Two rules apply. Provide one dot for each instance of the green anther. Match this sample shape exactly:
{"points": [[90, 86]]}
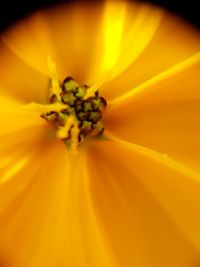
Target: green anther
{"points": [[78, 105], [51, 117], [83, 115], [62, 116], [60, 119], [86, 127], [69, 85], [96, 103], [85, 112], [72, 111], [87, 106], [81, 92], [68, 98], [94, 116]]}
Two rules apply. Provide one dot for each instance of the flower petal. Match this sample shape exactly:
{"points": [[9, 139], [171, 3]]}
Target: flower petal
{"points": [[127, 30], [46, 216], [14, 117], [173, 42], [21, 132], [87, 41], [18, 201], [163, 113], [148, 206], [19, 80]]}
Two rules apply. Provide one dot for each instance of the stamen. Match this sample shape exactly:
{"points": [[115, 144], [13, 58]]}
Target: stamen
{"points": [[94, 88], [64, 132], [45, 108], [73, 115], [74, 137], [54, 88]]}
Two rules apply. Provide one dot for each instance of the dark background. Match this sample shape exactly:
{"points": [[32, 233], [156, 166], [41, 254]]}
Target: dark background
{"points": [[10, 11]]}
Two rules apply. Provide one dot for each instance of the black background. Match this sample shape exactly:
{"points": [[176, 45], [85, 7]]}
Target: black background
{"points": [[12, 11]]}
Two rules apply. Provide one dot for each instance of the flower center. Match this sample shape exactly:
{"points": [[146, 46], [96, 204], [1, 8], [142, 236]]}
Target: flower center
{"points": [[75, 111], [80, 117]]}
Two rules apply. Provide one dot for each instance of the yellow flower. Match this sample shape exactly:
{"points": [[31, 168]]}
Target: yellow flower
{"points": [[130, 198]]}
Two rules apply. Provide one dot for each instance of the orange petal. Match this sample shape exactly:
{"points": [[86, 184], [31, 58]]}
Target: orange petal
{"points": [[46, 214], [13, 117], [18, 210], [147, 205], [21, 133], [163, 113], [19, 80], [173, 42], [88, 41], [127, 30]]}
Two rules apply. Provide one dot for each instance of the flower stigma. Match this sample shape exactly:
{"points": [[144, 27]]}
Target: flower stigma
{"points": [[75, 115]]}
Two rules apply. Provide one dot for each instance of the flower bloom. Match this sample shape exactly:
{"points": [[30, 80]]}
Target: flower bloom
{"points": [[129, 197]]}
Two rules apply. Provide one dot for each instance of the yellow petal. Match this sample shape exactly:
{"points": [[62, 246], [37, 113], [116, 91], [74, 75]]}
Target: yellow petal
{"points": [[19, 201], [21, 132], [30, 40], [147, 204], [17, 155], [46, 214], [19, 80], [127, 30], [13, 117], [163, 113], [88, 41], [173, 42]]}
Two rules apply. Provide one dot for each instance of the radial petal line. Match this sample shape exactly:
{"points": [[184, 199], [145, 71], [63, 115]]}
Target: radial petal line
{"points": [[161, 158], [142, 89]]}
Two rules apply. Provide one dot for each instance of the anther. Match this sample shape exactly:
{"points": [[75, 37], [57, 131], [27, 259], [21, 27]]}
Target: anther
{"points": [[74, 115]]}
